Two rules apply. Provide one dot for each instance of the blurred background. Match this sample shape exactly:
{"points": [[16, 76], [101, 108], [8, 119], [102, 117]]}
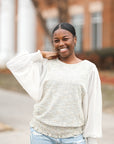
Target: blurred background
{"points": [[27, 25]]}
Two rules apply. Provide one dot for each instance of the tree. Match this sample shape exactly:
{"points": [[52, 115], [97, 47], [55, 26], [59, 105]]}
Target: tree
{"points": [[42, 20], [63, 15], [62, 6]]}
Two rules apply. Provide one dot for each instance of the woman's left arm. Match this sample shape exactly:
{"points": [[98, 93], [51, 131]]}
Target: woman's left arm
{"points": [[92, 106]]}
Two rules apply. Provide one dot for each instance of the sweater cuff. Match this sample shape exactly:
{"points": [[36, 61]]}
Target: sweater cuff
{"points": [[37, 56], [92, 141]]}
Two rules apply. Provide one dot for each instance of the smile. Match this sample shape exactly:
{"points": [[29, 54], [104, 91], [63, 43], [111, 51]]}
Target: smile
{"points": [[63, 50]]}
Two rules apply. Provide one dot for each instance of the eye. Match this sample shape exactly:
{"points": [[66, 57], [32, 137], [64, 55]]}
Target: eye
{"points": [[56, 40], [65, 39]]}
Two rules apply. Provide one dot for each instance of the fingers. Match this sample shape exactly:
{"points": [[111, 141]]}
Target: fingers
{"points": [[52, 57], [49, 55]]}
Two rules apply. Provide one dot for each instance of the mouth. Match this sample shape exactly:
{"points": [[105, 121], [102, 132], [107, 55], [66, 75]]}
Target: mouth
{"points": [[63, 50]]}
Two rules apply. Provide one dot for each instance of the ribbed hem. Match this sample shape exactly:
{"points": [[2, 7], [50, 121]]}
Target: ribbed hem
{"points": [[56, 132]]}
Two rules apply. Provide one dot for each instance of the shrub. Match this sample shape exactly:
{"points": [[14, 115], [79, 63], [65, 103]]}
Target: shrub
{"points": [[103, 58]]}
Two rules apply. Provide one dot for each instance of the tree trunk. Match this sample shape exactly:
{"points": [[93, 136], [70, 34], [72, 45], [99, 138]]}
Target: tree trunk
{"points": [[62, 6], [42, 20]]}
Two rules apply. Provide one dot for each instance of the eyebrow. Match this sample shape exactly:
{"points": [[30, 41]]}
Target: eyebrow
{"points": [[63, 36]]}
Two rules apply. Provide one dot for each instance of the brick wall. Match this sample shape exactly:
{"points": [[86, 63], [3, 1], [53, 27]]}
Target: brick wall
{"points": [[108, 22]]}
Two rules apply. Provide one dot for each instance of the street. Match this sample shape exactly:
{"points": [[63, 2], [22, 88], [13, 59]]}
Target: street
{"points": [[16, 111]]}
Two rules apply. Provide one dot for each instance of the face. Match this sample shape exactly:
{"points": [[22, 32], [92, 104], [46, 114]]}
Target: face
{"points": [[64, 43]]}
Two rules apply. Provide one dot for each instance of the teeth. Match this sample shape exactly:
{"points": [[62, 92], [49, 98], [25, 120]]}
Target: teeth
{"points": [[63, 49]]}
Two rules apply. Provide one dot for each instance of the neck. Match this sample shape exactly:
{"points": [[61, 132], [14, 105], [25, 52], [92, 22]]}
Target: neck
{"points": [[71, 59]]}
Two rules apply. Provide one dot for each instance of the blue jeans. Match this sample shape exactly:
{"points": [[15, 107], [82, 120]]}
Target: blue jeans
{"points": [[38, 138]]}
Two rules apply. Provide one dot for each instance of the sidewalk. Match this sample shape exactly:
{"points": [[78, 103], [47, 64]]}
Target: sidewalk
{"points": [[16, 111]]}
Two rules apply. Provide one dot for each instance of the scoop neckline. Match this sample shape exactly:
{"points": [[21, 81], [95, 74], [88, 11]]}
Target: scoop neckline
{"points": [[70, 64]]}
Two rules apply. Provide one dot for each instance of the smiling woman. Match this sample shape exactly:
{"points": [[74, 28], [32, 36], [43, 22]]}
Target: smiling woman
{"points": [[64, 43], [67, 92]]}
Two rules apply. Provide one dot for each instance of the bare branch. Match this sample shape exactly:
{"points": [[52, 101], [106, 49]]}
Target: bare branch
{"points": [[62, 6], [42, 20], [35, 2]]}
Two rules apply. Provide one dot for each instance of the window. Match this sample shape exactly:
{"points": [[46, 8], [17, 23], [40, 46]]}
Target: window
{"points": [[96, 30], [50, 23], [78, 21]]}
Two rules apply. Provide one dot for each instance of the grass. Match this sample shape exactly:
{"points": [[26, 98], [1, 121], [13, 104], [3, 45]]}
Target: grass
{"points": [[7, 81]]}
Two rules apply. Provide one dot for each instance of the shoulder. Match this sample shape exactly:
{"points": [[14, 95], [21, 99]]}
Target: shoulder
{"points": [[89, 67], [90, 64], [93, 70]]}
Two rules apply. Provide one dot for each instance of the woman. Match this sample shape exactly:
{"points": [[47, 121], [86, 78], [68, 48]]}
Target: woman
{"points": [[67, 91]]}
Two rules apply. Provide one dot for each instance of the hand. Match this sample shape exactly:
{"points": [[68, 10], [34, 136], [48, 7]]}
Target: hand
{"points": [[49, 55]]}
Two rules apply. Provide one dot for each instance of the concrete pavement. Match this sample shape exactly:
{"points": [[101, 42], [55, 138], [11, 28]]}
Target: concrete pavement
{"points": [[16, 111]]}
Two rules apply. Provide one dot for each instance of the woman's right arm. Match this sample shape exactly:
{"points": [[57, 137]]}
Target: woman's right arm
{"points": [[27, 69]]}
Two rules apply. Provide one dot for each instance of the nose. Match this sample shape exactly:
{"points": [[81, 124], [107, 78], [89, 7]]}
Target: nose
{"points": [[61, 43]]}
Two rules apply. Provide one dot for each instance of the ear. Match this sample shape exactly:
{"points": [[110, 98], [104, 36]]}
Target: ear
{"points": [[75, 39]]}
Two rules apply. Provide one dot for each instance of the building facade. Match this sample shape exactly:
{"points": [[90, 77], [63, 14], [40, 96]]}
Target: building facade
{"points": [[17, 28], [93, 20], [20, 29]]}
